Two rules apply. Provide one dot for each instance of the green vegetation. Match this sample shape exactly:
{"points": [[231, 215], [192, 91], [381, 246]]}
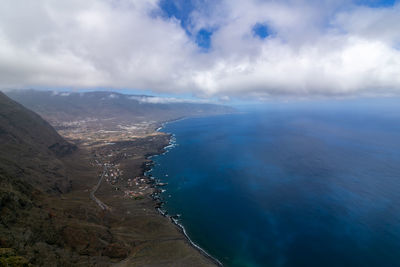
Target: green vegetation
{"points": [[8, 258]]}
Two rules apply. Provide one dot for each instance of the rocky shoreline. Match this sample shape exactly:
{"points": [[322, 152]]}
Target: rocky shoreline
{"points": [[134, 200], [156, 196], [57, 197]]}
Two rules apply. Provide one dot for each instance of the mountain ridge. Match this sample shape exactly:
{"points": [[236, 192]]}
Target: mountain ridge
{"points": [[27, 138], [104, 107], [47, 215]]}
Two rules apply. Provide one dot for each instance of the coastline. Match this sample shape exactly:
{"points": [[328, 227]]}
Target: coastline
{"points": [[201, 250], [162, 125], [156, 196], [93, 206]]}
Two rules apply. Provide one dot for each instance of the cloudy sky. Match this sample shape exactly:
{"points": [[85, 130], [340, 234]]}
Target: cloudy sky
{"points": [[206, 48]]}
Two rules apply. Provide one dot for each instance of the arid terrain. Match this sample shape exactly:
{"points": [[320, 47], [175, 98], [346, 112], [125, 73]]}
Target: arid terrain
{"points": [[85, 201]]}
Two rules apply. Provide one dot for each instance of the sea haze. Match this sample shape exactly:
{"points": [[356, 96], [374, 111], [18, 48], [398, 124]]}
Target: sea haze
{"points": [[309, 185]]}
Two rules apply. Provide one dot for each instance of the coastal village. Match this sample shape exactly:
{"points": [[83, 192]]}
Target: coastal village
{"points": [[132, 187], [110, 210], [88, 132], [114, 155]]}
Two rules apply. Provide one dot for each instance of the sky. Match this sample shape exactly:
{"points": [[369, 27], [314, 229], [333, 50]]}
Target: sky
{"points": [[211, 49]]}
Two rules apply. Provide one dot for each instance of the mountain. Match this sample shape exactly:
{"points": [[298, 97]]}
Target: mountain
{"points": [[109, 108], [31, 169], [47, 213], [27, 141]]}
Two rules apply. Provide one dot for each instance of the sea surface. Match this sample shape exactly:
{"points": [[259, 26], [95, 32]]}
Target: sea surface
{"points": [[298, 186]]}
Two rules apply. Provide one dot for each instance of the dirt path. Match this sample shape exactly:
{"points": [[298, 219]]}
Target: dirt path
{"points": [[92, 196]]}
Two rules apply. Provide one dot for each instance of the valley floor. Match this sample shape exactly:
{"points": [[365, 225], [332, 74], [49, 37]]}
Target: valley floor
{"points": [[122, 225]]}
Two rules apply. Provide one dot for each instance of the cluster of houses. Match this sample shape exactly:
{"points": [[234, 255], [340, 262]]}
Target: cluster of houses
{"points": [[140, 185], [133, 188], [113, 174]]}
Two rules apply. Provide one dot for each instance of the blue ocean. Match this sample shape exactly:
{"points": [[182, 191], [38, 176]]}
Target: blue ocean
{"points": [[288, 185]]}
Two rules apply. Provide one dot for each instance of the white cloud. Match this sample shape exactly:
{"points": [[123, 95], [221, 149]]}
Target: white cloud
{"points": [[167, 100], [113, 96], [318, 48]]}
